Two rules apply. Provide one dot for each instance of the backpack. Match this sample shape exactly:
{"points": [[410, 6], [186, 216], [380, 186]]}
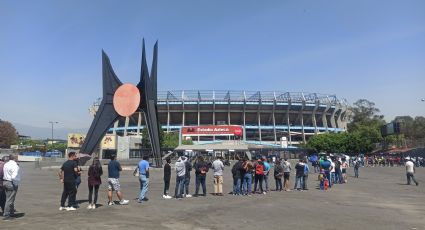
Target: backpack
{"points": [[259, 169]]}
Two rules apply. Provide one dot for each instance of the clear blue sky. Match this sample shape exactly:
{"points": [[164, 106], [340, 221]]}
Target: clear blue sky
{"points": [[50, 51]]}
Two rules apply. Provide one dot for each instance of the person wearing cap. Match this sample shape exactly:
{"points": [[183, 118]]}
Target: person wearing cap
{"points": [[410, 171]]}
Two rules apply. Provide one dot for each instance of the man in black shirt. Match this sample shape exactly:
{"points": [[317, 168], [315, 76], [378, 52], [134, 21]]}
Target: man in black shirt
{"points": [[299, 167], [188, 168], [167, 178], [67, 175], [201, 169]]}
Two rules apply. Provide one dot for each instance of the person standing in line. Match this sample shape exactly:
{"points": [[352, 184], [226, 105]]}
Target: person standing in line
{"points": [[114, 169], [2, 191], [94, 181], [338, 176], [305, 175], [218, 168], [286, 174], [167, 178], [299, 173], [188, 169], [410, 171], [67, 175], [356, 168], [278, 173], [344, 167], [11, 180], [180, 176], [237, 176], [332, 181], [247, 177], [143, 178], [77, 180], [201, 169], [259, 176], [266, 173]]}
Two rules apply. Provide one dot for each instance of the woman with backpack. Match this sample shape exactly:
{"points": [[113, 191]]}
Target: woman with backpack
{"points": [[94, 181], [259, 175]]}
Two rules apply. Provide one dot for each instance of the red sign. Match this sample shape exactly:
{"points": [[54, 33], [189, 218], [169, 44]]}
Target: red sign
{"points": [[212, 130]]}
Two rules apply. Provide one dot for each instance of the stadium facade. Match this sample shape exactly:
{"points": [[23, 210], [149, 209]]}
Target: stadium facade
{"points": [[265, 116]]}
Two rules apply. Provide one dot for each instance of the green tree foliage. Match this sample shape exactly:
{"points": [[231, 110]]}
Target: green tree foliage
{"points": [[363, 132], [8, 134], [170, 140]]}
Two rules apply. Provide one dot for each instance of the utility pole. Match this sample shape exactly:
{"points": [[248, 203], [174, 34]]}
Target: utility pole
{"points": [[52, 122]]}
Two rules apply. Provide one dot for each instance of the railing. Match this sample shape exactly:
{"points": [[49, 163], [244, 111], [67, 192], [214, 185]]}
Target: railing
{"points": [[225, 95]]}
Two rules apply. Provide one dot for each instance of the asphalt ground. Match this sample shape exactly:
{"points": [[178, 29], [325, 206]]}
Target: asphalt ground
{"points": [[379, 199]]}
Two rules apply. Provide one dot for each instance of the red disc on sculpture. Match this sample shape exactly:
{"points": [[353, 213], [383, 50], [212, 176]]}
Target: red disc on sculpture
{"points": [[126, 100]]}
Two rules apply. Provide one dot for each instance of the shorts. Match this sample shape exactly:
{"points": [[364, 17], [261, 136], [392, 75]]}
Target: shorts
{"points": [[286, 175], [114, 184], [344, 171]]}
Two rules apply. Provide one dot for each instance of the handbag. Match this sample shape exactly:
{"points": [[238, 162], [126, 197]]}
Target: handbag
{"points": [[136, 172]]}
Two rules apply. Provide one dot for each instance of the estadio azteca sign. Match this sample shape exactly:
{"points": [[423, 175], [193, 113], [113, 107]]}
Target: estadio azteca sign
{"points": [[212, 130]]}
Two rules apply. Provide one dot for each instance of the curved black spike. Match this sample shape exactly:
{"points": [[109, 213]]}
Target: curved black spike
{"points": [[106, 114]]}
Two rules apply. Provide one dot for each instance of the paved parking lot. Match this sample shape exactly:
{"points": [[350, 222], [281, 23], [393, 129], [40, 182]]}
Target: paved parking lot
{"points": [[377, 200]]}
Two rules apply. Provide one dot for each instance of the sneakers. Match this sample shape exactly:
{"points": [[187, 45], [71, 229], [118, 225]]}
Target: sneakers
{"points": [[166, 197], [62, 208], [124, 202], [188, 196], [71, 209], [111, 203], [91, 206]]}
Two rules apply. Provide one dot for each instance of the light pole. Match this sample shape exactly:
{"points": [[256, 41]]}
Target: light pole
{"points": [[52, 122]]}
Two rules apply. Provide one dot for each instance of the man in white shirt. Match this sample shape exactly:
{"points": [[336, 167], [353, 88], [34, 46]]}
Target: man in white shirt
{"points": [[11, 180], [410, 170], [218, 168]]}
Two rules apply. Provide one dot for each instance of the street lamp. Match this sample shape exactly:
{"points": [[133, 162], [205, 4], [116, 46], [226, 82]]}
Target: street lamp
{"points": [[52, 122]]}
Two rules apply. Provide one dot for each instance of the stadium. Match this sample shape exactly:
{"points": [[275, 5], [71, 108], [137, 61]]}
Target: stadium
{"points": [[265, 117]]}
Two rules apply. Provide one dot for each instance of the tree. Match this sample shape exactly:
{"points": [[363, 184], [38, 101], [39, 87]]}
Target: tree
{"points": [[8, 134], [365, 125]]}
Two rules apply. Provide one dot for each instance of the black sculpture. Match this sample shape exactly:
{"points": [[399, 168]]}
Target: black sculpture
{"points": [[107, 115]]}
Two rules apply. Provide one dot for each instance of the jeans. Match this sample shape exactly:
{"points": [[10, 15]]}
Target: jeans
{"points": [[11, 191], [2, 198], [247, 183], [200, 180], [278, 184], [236, 185], [179, 186], [298, 182], [305, 178], [69, 191], [333, 177], [258, 179], [411, 176], [328, 176], [166, 186], [144, 186], [266, 181], [356, 172], [96, 191], [186, 185]]}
